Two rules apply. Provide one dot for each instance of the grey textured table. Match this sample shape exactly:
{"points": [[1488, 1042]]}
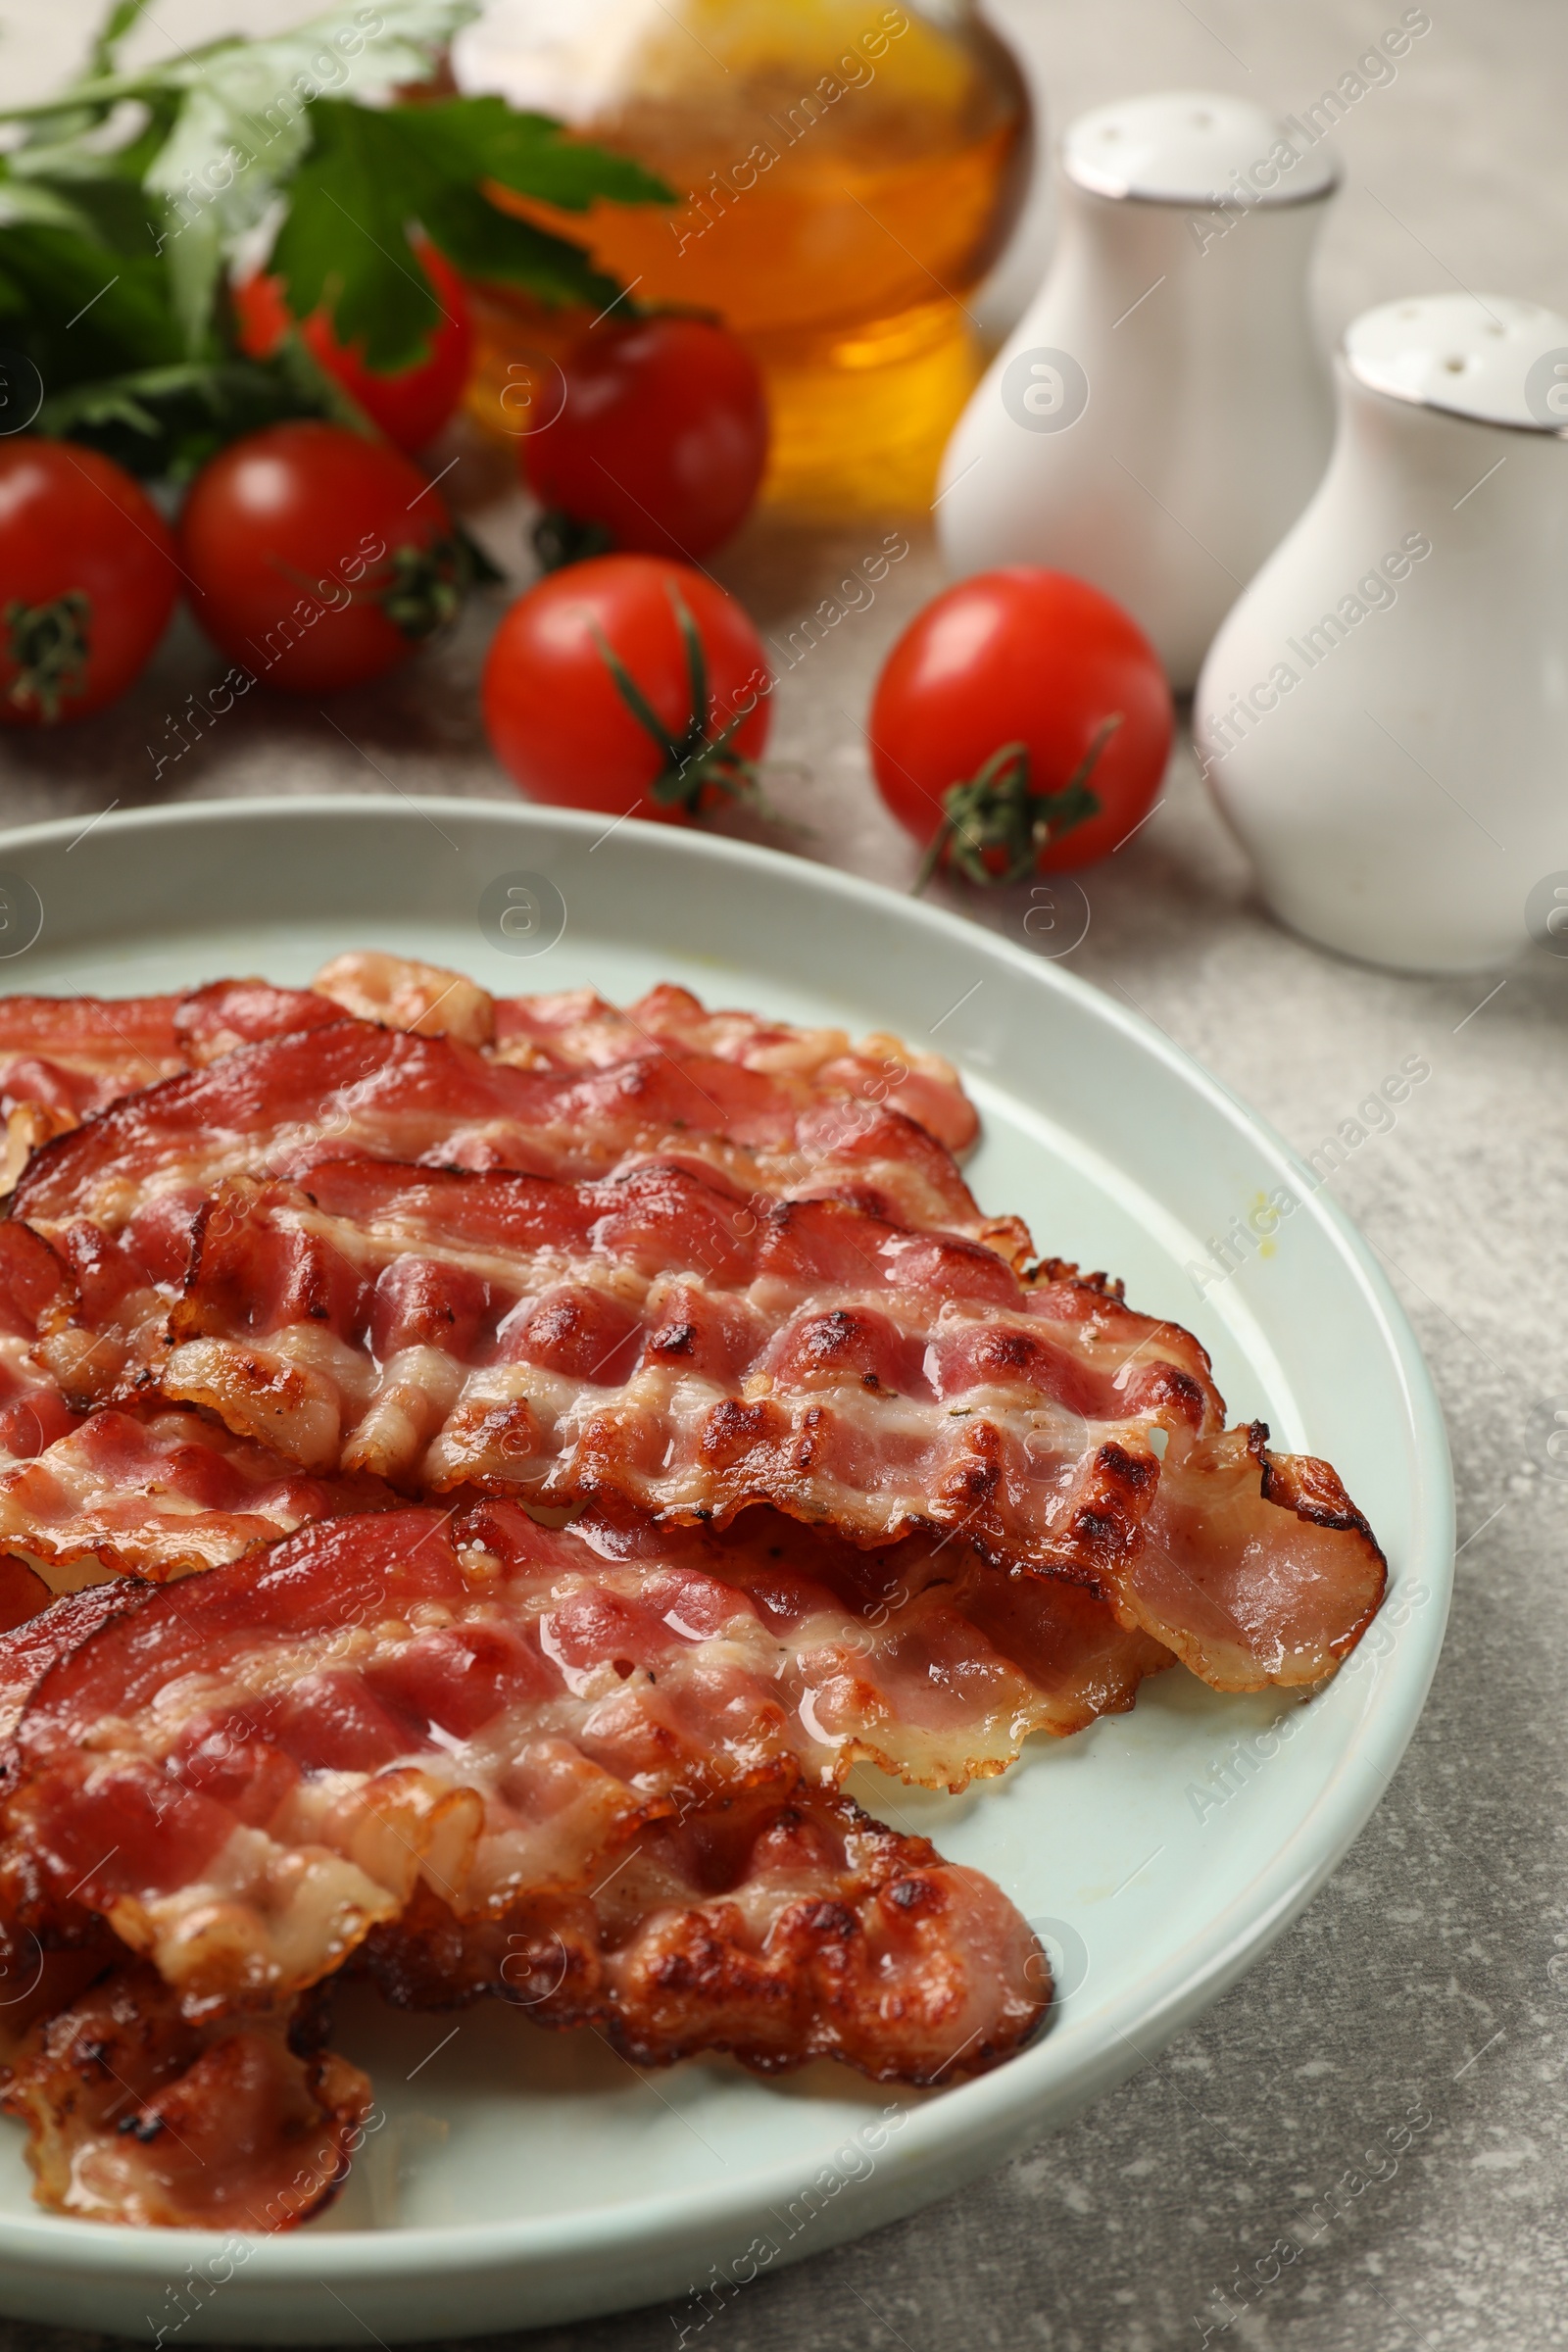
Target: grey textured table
{"points": [[1429, 1968]]}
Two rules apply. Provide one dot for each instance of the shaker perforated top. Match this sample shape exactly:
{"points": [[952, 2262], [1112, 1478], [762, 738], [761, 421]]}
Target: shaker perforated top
{"points": [[1482, 355], [1197, 147]]}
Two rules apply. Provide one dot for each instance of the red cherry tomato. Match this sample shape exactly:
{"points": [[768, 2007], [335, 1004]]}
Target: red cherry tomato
{"points": [[662, 440], [412, 404], [318, 558], [628, 685], [1020, 661], [88, 578]]}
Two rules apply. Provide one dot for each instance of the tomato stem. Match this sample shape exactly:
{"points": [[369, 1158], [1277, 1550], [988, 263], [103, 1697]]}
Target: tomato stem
{"points": [[419, 589], [560, 539], [696, 762], [996, 814], [50, 645]]}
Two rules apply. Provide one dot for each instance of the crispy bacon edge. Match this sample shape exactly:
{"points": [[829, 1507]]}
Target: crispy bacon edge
{"points": [[873, 1950], [137, 2116]]}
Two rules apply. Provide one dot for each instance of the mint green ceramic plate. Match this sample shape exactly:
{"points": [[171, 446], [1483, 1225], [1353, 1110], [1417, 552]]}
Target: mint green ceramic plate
{"points": [[522, 2178]]}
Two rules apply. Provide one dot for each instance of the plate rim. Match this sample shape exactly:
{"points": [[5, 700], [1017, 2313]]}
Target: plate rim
{"points": [[994, 2107]]}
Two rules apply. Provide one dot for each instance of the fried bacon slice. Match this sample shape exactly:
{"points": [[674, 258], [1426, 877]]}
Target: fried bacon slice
{"points": [[42, 1630], [34, 1286], [577, 1029], [580, 1028], [401, 992], [451, 1326], [1251, 1557], [136, 2115], [147, 1497], [77, 1054], [63, 1057], [41, 1974], [142, 1167], [920, 1658], [776, 1927], [653, 1339], [161, 1496], [246, 1773], [155, 1496]]}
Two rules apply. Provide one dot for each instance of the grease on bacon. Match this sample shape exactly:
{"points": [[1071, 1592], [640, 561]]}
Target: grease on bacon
{"points": [[246, 1775]]}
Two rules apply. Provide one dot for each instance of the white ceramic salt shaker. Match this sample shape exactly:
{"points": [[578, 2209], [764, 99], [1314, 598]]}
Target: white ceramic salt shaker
{"points": [[1384, 717], [1162, 413]]}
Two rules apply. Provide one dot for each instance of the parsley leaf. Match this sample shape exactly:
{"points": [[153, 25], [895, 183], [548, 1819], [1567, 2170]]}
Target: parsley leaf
{"points": [[120, 223], [373, 172]]}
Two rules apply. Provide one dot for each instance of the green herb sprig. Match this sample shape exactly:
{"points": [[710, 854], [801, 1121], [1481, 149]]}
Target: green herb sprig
{"points": [[134, 192]]}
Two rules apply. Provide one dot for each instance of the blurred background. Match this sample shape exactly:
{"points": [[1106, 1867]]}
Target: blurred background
{"points": [[1473, 122]]}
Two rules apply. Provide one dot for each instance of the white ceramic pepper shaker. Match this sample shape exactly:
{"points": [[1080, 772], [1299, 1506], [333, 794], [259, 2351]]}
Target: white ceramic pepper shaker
{"points": [[1384, 717], [1162, 414]]}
